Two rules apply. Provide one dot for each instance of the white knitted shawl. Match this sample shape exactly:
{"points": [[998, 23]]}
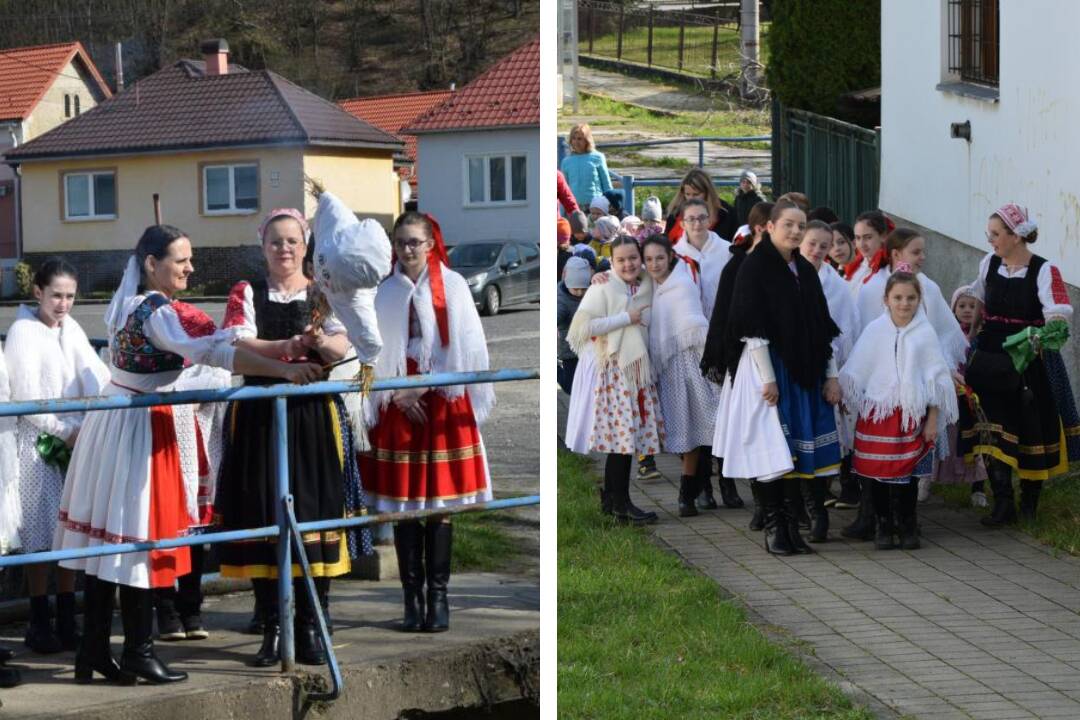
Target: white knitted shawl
{"points": [[676, 323]]}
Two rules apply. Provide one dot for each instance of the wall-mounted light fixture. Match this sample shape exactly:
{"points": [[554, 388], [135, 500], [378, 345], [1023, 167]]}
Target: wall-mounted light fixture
{"points": [[960, 131]]}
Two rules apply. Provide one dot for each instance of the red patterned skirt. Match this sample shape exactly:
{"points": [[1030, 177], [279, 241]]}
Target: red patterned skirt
{"points": [[885, 451], [438, 463]]}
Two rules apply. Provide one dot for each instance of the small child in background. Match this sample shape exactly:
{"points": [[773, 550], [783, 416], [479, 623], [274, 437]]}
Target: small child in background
{"points": [[652, 217], [599, 206], [564, 235], [631, 225], [953, 470], [579, 226], [576, 278], [605, 230]]}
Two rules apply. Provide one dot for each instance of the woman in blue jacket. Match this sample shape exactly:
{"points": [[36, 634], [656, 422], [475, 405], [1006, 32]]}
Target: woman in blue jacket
{"points": [[585, 168]]}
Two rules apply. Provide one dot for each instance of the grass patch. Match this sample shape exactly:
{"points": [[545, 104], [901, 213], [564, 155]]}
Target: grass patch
{"points": [[697, 48], [736, 122], [642, 636], [638, 160], [483, 542], [1057, 523]]}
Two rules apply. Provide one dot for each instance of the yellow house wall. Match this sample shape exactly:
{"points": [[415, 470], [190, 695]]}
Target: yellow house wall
{"points": [[364, 180], [49, 112], [176, 177]]}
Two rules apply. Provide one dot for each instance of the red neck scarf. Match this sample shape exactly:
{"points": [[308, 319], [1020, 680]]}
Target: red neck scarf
{"points": [[436, 259], [876, 264]]}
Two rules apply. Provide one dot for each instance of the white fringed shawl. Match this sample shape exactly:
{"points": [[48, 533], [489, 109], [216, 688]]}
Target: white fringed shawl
{"points": [[894, 368], [841, 309], [677, 323], [627, 346], [954, 344], [466, 352]]}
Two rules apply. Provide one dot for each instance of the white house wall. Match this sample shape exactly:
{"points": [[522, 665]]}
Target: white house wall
{"points": [[1023, 147], [442, 185]]}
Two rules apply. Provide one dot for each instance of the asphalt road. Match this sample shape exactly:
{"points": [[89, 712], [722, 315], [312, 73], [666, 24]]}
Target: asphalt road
{"points": [[511, 434]]}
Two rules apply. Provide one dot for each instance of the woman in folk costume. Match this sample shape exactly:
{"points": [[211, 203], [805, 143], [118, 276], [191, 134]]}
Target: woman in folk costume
{"points": [[1023, 296], [10, 508], [707, 254], [129, 478], [615, 409], [426, 450], [49, 356], [270, 317], [815, 246], [677, 330], [900, 386], [712, 358], [775, 421], [870, 230]]}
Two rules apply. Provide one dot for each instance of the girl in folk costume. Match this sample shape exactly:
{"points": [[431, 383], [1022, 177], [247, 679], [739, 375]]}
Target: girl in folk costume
{"points": [[900, 386], [49, 356], [10, 508], [688, 401], [954, 469], [426, 450], [775, 422], [269, 318], [843, 247], [1023, 296], [816, 242], [615, 409], [870, 230], [129, 479]]}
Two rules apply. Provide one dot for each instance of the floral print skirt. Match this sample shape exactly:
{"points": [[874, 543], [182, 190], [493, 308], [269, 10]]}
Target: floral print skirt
{"points": [[625, 422]]}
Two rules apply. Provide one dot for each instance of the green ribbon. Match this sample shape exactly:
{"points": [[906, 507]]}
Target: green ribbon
{"points": [[1026, 345], [53, 450]]}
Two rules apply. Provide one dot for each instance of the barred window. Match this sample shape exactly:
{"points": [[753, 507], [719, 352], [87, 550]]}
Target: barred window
{"points": [[974, 40]]}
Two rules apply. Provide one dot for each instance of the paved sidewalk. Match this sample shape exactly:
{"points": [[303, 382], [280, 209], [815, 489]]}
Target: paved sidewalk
{"points": [[977, 624]]}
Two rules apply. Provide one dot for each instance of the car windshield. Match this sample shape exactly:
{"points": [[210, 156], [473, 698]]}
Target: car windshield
{"points": [[474, 254]]}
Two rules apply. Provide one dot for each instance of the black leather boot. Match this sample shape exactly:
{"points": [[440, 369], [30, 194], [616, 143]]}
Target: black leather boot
{"points": [[705, 499], [863, 527], [820, 517], [687, 493], [883, 537], [1029, 499], [94, 653], [438, 543], [66, 629], [322, 587], [309, 645], [137, 614], [409, 543], [757, 522], [617, 475], [777, 540], [729, 494], [793, 503], [1004, 512], [908, 502], [849, 487], [266, 601], [805, 504], [39, 633]]}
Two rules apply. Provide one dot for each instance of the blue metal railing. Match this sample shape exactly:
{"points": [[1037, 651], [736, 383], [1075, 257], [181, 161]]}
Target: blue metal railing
{"points": [[286, 524], [629, 182]]}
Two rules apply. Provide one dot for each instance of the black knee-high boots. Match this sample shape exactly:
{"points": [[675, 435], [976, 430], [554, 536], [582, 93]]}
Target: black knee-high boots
{"points": [[771, 498], [409, 543], [819, 516], [617, 482], [1000, 476], [863, 527], [138, 658], [424, 553], [94, 654]]}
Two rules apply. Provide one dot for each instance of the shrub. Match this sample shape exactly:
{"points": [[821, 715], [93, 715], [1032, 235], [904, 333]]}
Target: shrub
{"points": [[821, 49], [24, 279]]}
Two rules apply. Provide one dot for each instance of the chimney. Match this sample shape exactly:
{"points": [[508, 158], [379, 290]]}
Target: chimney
{"points": [[216, 54]]}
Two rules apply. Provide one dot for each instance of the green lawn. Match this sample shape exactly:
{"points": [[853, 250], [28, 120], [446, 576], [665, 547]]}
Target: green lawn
{"points": [[1058, 521], [642, 636], [697, 48], [484, 543], [602, 112]]}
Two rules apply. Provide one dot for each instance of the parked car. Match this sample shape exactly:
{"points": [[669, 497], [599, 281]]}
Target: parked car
{"points": [[499, 273]]}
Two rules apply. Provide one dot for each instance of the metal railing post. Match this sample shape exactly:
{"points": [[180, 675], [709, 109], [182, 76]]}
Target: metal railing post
{"points": [[628, 193], [682, 39], [700, 153], [622, 18], [284, 546], [652, 13], [715, 42]]}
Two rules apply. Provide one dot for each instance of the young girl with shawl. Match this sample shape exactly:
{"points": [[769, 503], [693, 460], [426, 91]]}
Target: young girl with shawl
{"points": [[615, 409], [426, 450], [49, 356], [870, 230], [10, 509], [677, 329], [775, 421], [129, 478], [900, 387]]}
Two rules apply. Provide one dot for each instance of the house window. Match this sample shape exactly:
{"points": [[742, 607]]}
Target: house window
{"points": [[230, 189], [67, 105], [496, 179], [90, 196], [974, 40], [77, 111]]}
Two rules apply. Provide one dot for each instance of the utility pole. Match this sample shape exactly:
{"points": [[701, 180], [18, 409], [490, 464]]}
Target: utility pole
{"points": [[748, 47]]}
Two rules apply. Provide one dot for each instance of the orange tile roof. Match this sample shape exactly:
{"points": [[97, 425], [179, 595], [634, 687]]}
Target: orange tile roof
{"points": [[392, 112], [27, 73], [505, 95]]}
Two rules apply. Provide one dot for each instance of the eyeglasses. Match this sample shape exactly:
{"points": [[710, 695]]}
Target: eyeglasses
{"points": [[411, 244], [695, 219]]}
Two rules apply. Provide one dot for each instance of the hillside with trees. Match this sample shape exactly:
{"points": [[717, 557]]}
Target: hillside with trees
{"points": [[336, 48]]}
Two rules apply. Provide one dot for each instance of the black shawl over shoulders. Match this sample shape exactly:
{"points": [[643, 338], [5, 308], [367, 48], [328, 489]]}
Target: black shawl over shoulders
{"points": [[767, 302], [713, 365]]}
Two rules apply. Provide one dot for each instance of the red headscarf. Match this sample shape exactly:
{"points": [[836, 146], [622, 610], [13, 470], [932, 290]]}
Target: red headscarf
{"points": [[436, 259]]}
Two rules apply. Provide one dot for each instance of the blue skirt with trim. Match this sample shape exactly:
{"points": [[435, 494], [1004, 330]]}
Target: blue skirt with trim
{"points": [[809, 424]]}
